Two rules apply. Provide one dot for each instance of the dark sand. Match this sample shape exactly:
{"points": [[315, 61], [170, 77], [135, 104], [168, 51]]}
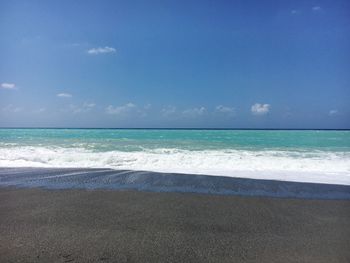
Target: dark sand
{"points": [[89, 178], [129, 226]]}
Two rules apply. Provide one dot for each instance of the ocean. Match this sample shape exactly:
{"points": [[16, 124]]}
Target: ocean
{"points": [[317, 156]]}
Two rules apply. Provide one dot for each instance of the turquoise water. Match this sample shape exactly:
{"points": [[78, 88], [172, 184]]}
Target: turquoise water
{"points": [[213, 152], [135, 139]]}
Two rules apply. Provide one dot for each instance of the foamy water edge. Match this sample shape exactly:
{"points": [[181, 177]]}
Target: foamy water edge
{"points": [[314, 167]]}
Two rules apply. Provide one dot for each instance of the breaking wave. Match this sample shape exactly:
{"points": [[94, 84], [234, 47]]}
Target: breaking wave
{"points": [[302, 166]]}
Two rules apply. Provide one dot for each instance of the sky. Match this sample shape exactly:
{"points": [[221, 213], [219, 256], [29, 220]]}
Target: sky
{"points": [[188, 64]]}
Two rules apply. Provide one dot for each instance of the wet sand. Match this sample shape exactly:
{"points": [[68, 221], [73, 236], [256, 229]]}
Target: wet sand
{"points": [[99, 178], [39, 225]]}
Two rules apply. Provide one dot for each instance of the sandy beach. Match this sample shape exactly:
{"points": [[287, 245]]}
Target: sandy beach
{"points": [[39, 225]]}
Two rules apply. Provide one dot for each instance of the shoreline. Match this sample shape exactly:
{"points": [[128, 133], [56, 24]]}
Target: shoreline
{"points": [[94, 178], [72, 225]]}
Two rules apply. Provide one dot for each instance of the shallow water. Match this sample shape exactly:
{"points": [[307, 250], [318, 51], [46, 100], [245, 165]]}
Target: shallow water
{"points": [[302, 156]]}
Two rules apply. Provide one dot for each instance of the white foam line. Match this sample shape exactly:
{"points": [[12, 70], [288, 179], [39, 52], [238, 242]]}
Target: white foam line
{"points": [[315, 167], [75, 173]]}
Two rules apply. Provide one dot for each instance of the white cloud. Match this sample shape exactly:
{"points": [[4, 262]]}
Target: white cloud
{"points": [[8, 85], [225, 110], [85, 107], [11, 108], [101, 50], [64, 95], [194, 112], [316, 8], [333, 112], [121, 110], [171, 111], [89, 104], [260, 109], [168, 111]]}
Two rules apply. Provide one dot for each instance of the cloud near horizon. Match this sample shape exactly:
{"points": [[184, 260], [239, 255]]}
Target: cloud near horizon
{"points": [[333, 112], [101, 50], [85, 107], [8, 85], [168, 111], [64, 95], [225, 110], [260, 109], [121, 110], [194, 112], [12, 108]]}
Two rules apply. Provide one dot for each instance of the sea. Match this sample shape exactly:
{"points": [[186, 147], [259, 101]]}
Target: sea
{"points": [[315, 156]]}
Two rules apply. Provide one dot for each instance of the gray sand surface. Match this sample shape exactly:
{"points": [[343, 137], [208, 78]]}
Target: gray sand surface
{"points": [[128, 226]]}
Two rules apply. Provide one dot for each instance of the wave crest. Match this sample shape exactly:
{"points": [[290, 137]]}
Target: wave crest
{"points": [[314, 166]]}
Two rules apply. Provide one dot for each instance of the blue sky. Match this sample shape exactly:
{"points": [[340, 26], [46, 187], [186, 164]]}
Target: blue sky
{"points": [[228, 64]]}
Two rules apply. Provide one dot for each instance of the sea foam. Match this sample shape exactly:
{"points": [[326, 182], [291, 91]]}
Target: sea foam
{"points": [[300, 166]]}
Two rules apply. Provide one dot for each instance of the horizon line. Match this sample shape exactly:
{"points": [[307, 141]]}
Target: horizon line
{"points": [[178, 128]]}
